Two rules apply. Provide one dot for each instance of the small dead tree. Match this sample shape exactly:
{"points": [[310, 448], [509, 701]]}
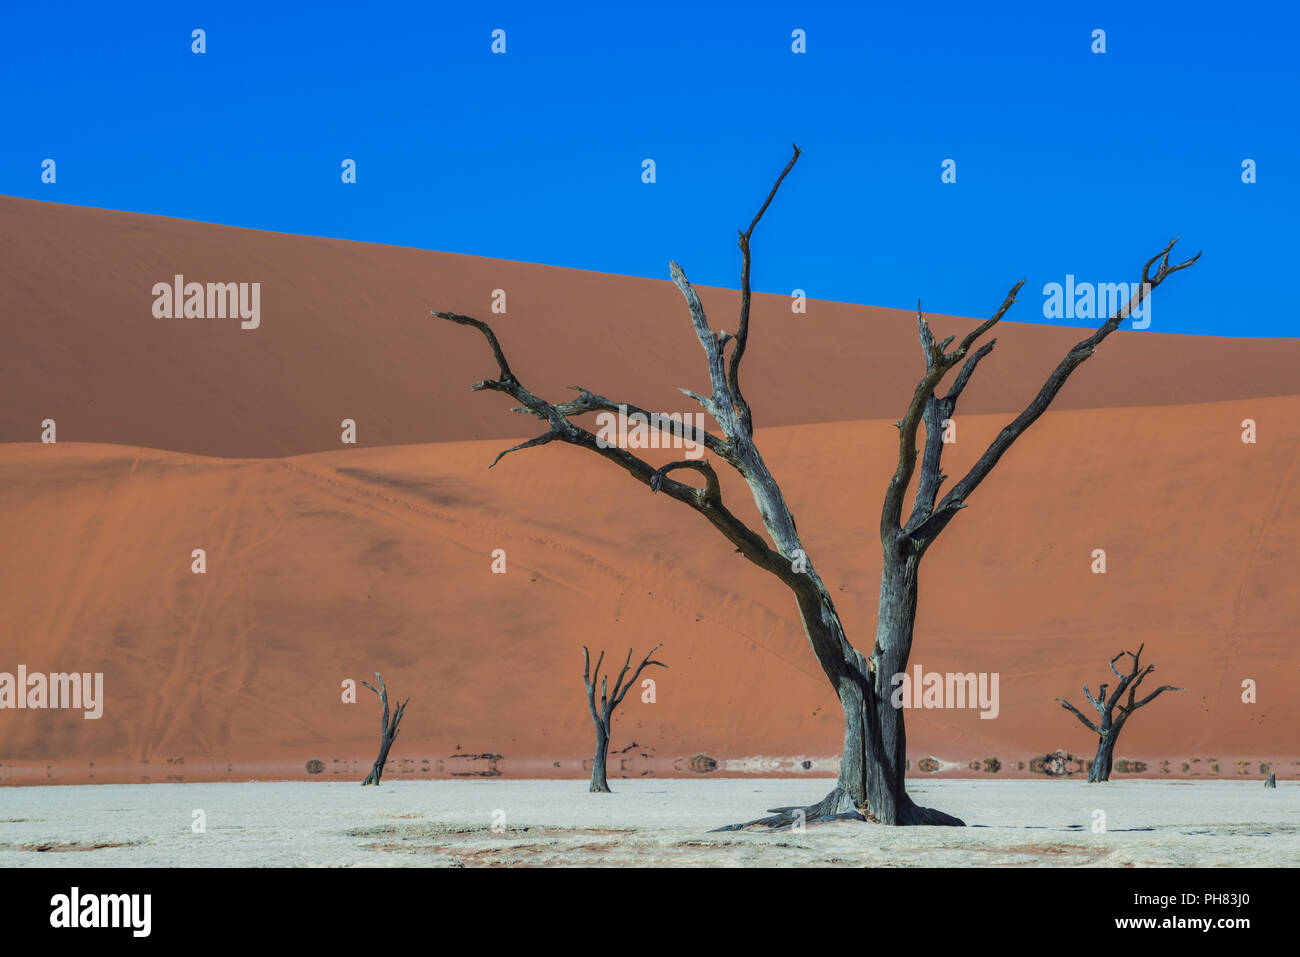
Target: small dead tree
{"points": [[387, 730], [870, 785], [1111, 723], [603, 715]]}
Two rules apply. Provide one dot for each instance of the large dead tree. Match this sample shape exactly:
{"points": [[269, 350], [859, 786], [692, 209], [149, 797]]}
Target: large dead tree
{"points": [[387, 730], [870, 784], [604, 714], [1109, 724]]}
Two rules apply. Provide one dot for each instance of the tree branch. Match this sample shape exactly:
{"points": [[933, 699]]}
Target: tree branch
{"points": [[968, 370], [383, 696], [1098, 703], [707, 501], [973, 336], [588, 401], [484, 328], [1126, 680], [609, 701], [937, 364], [1148, 699], [1117, 658], [591, 687], [720, 404], [742, 333], [637, 674], [1081, 351], [712, 492], [937, 411], [1078, 714], [542, 439]]}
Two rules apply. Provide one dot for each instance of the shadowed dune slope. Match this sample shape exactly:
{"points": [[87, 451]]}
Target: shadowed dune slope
{"points": [[346, 333], [333, 565]]}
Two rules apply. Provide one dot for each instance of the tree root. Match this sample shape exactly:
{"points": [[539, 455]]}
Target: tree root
{"points": [[839, 806], [927, 816]]}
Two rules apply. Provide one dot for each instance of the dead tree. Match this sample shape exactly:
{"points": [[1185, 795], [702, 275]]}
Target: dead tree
{"points": [[387, 730], [1110, 723], [870, 783], [603, 715]]}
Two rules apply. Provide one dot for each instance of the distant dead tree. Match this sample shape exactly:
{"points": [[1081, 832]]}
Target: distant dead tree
{"points": [[604, 714], [1111, 723], [387, 730], [870, 785]]}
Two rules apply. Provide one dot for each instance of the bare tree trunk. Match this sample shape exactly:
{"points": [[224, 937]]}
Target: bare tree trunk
{"points": [[873, 763], [603, 714], [1105, 759], [377, 769], [887, 736], [599, 783], [387, 730]]}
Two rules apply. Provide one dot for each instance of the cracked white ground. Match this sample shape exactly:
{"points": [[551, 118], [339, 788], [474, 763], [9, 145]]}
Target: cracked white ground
{"points": [[646, 822]]}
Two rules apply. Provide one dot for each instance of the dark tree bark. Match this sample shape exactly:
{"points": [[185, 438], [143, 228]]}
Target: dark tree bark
{"points": [[387, 730], [1108, 727], [604, 714], [870, 784]]}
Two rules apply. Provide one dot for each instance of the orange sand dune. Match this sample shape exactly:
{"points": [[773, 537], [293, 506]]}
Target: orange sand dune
{"points": [[346, 333], [333, 565]]}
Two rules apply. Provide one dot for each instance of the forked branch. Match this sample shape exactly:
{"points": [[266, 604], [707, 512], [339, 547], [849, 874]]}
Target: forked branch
{"points": [[928, 519]]}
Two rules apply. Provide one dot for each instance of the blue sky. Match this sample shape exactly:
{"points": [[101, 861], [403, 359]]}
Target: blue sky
{"points": [[1067, 161]]}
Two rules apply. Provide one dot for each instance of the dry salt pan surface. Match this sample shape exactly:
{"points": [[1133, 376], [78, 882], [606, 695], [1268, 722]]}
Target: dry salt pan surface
{"points": [[645, 822]]}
